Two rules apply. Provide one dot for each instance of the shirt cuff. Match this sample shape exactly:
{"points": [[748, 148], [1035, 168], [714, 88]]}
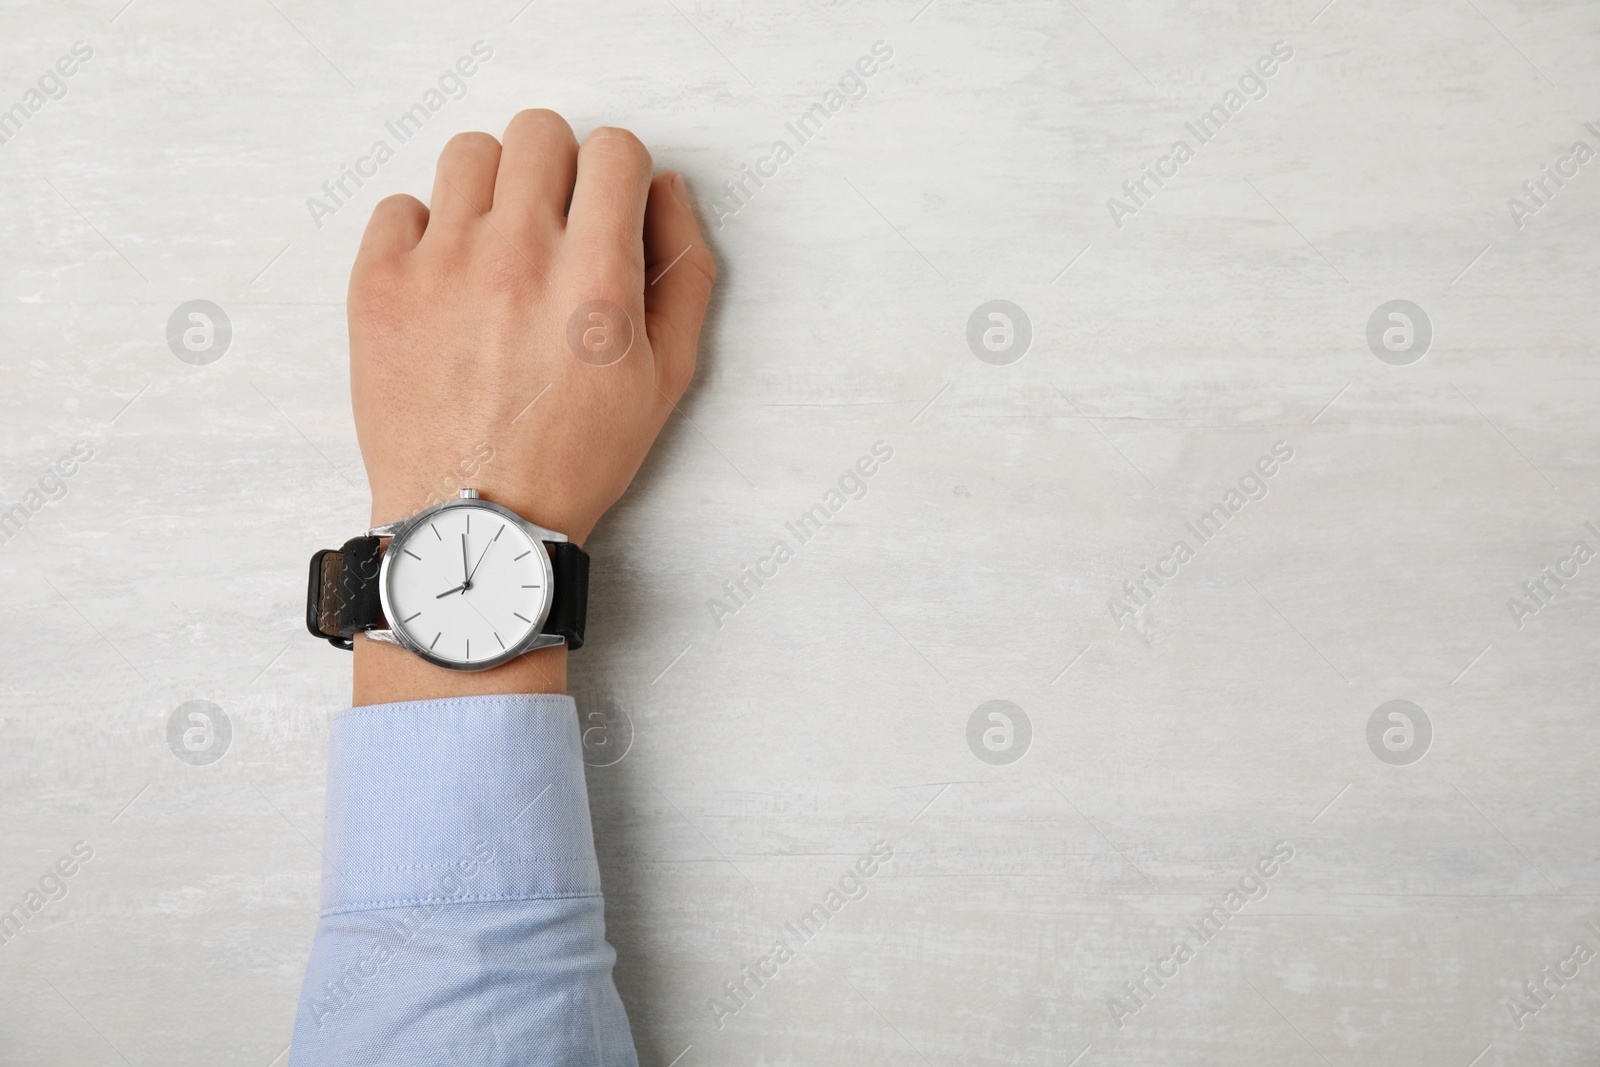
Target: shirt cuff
{"points": [[464, 800]]}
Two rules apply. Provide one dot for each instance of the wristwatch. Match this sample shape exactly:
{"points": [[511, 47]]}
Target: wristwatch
{"points": [[466, 585]]}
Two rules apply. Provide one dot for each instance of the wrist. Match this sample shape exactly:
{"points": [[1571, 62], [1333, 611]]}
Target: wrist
{"points": [[541, 509], [385, 674]]}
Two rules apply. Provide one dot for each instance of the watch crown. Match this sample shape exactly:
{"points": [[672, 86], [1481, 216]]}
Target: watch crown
{"points": [[469, 494]]}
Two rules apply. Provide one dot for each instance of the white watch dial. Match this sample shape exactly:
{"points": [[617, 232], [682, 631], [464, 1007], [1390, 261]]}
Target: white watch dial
{"points": [[467, 585]]}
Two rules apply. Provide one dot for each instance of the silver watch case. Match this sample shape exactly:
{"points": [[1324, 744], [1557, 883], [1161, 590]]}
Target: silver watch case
{"points": [[398, 532]]}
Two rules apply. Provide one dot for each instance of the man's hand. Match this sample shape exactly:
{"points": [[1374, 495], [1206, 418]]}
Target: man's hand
{"points": [[543, 311]]}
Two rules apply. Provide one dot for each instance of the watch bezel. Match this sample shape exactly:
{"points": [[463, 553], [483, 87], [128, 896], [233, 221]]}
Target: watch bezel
{"points": [[536, 638]]}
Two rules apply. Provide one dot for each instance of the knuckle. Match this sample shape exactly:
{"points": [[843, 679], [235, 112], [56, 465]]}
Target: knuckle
{"points": [[397, 206], [700, 260], [691, 277], [535, 121], [471, 145], [618, 143]]}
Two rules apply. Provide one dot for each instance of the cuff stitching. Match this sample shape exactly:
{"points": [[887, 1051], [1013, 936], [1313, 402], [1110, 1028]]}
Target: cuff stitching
{"points": [[486, 898], [540, 862]]}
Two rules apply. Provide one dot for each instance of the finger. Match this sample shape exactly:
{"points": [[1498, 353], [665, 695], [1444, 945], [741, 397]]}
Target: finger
{"points": [[679, 274], [606, 221], [538, 167], [463, 184], [396, 225]]}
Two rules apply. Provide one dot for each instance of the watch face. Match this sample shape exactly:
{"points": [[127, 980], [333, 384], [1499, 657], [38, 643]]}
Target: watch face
{"points": [[466, 585]]}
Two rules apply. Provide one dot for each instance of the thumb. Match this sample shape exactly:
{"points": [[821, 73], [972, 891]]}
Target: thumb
{"points": [[679, 273]]}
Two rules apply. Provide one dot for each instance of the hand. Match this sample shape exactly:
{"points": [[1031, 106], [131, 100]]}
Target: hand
{"points": [[460, 318], [468, 583]]}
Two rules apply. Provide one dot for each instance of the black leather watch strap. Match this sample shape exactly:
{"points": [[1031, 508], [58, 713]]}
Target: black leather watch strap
{"points": [[569, 606], [342, 593]]}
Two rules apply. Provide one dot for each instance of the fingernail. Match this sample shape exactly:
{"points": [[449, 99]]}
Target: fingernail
{"points": [[679, 190]]}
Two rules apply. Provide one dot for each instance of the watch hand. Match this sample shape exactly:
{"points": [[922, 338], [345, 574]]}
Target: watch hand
{"points": [[485, 552], [447, 592], [466, 575]]}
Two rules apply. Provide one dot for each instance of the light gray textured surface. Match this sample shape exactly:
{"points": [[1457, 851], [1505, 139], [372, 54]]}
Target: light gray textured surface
{"points": [[831, 711]]}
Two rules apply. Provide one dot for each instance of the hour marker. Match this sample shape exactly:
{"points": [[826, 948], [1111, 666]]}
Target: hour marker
{"points": [[404, 621], [469, 648], [497, 638], [527, 553], [435, 530], [469, 522], [523, 617], [412, 554], [435, 640], [497, 534], [530, 587]]}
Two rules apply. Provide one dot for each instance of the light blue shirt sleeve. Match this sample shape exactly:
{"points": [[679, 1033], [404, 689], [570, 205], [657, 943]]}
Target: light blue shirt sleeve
{"points": [[462, 921]]}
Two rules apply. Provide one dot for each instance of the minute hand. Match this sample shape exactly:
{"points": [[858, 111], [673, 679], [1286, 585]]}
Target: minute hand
{"points": [[485, 552]]}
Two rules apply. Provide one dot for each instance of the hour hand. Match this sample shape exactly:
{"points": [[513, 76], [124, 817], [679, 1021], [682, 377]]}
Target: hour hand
{"points": [[447, 592]]}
